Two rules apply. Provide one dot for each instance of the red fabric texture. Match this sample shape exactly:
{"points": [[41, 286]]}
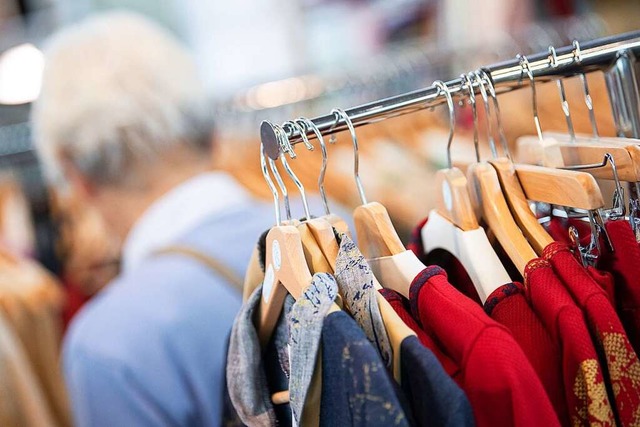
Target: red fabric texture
{"points": [[624, 264], [508, 306], [617, 355], [401, 306], [455, 271], [501, 385], [585, 390], [558, 229], [74, 301]]}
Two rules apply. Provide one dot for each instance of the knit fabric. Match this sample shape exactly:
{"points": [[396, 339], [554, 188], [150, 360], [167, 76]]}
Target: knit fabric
{"points": [[622, 372], [499, 381], [584, 385], [508, 306]]}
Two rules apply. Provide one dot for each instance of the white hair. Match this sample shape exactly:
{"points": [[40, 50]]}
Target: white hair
{"points": [[117, 91]]}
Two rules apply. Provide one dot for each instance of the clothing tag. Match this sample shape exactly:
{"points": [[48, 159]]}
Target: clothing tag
{"points": [[277, 257], [267, 285]]}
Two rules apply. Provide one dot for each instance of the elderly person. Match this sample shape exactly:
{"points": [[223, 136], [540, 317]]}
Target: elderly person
{"points": [[122, 122]]}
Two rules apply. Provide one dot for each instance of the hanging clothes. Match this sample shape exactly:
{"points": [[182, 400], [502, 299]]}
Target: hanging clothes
{"points": [[584, 381], [356, 387], [508, 306], [622, 365], [494, 373]]}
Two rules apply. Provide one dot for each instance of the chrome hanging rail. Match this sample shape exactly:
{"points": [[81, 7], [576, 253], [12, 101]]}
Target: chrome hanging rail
{"points": [[598, 54]]}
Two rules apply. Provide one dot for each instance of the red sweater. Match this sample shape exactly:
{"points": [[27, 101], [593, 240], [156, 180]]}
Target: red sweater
{"points": [[585, 390], [624, 264], [610, 339], [499, 381], [508, 306]]}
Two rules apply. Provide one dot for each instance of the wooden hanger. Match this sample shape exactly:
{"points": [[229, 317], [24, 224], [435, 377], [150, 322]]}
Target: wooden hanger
{"points": [[453, 225], [537, 236], [562, 150], [392, 264], [322, 227], [485, 189], [521, 183]]}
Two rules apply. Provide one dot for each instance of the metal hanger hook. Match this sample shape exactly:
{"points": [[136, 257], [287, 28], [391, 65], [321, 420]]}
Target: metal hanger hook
{"points": [[577, 57], [354, 138], [553, 61], [474, 111], [487, 113], [278, 177], [496, 106], [553, 57], [284, 139], [291, 124], [308, 124], [272, 187], [442, 88], [524, 64]]}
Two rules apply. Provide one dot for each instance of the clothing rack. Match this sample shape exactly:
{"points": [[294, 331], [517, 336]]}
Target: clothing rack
{"points": [[614, 55]]}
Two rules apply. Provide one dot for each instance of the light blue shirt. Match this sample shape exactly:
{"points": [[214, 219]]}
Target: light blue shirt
{"points": [[150, 349]]}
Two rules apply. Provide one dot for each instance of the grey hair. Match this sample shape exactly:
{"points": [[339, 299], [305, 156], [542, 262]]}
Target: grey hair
{"points": [[118, 91]]}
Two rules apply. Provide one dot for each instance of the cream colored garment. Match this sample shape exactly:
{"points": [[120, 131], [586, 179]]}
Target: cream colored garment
{"points": [[31, 301], [21, 400]]}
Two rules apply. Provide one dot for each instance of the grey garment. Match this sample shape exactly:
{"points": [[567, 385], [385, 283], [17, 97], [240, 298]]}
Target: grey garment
{"points": [[246, 379], [305, 327], [296, 343], [356, 284]]}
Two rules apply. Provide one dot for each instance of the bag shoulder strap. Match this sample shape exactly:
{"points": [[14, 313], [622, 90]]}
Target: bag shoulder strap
{"points": [[213, 264]]}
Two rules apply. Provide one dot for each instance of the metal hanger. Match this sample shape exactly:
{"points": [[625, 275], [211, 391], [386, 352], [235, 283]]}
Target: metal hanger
{"points": [[286, 269], [376, 235], [492, 91], [568, 188], [453, 226], [315, 256], [336, 221], [393, 265], [487, 193], [318, 239]]}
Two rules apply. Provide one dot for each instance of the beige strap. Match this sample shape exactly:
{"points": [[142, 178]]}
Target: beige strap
{"points": [[213, 264]]}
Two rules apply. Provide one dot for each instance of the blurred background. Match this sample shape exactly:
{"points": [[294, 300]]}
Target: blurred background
{"points": [[277, 60]]}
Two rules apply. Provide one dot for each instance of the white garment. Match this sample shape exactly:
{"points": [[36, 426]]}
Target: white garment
{"points": [[179, 211]]}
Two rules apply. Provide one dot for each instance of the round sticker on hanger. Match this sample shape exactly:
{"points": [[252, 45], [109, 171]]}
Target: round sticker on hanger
{"points": [[277, 257], [267, 285], [446, 195]]}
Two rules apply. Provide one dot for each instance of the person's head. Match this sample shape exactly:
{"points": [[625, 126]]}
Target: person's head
{"points": [[122, 116]]}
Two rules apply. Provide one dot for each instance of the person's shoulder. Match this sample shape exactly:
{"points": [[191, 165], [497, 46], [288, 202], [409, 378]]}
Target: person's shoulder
{"points": [[168, 301]]}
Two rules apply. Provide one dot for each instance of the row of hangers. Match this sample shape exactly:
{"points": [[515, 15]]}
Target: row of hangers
{"points": [[496, 193]]}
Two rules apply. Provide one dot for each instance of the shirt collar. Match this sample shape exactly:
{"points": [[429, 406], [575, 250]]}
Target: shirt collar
{"points": [[179, 211]]}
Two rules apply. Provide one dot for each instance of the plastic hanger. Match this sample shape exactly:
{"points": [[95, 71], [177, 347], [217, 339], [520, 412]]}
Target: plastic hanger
{"points": [[393, 265], [453, 225]]}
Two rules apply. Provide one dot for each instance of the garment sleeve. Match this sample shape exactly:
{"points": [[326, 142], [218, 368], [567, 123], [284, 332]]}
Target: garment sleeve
{"points": [[104, 393]]}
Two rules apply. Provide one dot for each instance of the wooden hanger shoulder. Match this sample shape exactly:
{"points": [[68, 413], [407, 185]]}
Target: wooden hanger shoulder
{"points": [[325, 238], [526, 220], [560, 187], [558, 150], [316, 259], [376, 235], [453, 200], [338, 223], [483, 180], [286, 272]]}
